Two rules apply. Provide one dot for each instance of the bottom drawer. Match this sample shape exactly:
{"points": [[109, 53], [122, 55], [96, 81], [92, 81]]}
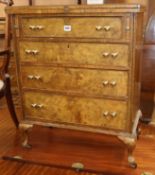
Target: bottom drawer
{"points": [[75, 110]]}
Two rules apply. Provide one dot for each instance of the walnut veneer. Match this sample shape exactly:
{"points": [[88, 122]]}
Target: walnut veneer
{"points": [[79, 68]]}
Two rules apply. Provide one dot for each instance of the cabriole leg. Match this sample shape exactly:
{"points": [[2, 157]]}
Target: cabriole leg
{"points": [[25, 128], [131, 144], [131, 159]]}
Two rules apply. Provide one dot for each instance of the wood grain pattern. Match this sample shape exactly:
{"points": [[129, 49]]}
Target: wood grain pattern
{"points": [[65, 109], [80, 27], [75, 53], [83, 81]]}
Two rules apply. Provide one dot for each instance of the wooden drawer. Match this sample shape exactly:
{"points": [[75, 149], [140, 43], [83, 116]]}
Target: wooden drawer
{"points": [[75, 53], [82, 81], [81, 27], [65, 109]]}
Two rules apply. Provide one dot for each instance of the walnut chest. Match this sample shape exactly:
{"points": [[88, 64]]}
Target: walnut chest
{"points": [[79, 67]]}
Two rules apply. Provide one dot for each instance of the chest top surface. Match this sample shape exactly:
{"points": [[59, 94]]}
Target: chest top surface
{"points": [[75, 9]]}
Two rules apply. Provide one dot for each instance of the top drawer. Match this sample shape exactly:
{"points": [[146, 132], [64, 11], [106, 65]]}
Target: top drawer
{"points": [[82, 27]]}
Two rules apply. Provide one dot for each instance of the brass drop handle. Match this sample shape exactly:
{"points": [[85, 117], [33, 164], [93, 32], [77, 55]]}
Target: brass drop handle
{"points": [[32, 52], [113, 83], [105, 114], [37, 77], [34, 105], [113, 114], [105, 83], [31, 77], [32, 27], [39, 27], [115, 54], [27, 51], [107, 28], [106, 54], [37, 106], [34, 77], [99, 28], [40, 106], [36, 27], [35, 52]]}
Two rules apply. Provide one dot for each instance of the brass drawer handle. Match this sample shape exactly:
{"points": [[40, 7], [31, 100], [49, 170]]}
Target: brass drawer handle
{"points": [[33, 105], [115, 54], [35, 52], [37, 106], [37, 77], [106, 54], [105, 83], [32, 52], [34, 77], [113, 114], [107, 28], [99, 28], [40, 27], [32, 27], [36, 27], [113, 83], [27, 51], [105, 114], [31, 77], [40, 106]]}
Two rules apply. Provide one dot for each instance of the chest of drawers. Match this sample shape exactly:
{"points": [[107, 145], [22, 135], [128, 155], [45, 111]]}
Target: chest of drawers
{"points": [[79, 68]]}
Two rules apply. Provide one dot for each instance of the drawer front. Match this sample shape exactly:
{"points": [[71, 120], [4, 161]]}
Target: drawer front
{"points": [[84, 111], [83, 81], [85, 27], [75, 53]]}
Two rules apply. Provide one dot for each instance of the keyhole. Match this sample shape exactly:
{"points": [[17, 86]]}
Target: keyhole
{"points": [[68, 46]]}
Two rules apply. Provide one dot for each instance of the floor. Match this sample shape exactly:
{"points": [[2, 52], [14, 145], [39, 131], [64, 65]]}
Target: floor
{"points": [[145, 153]]}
